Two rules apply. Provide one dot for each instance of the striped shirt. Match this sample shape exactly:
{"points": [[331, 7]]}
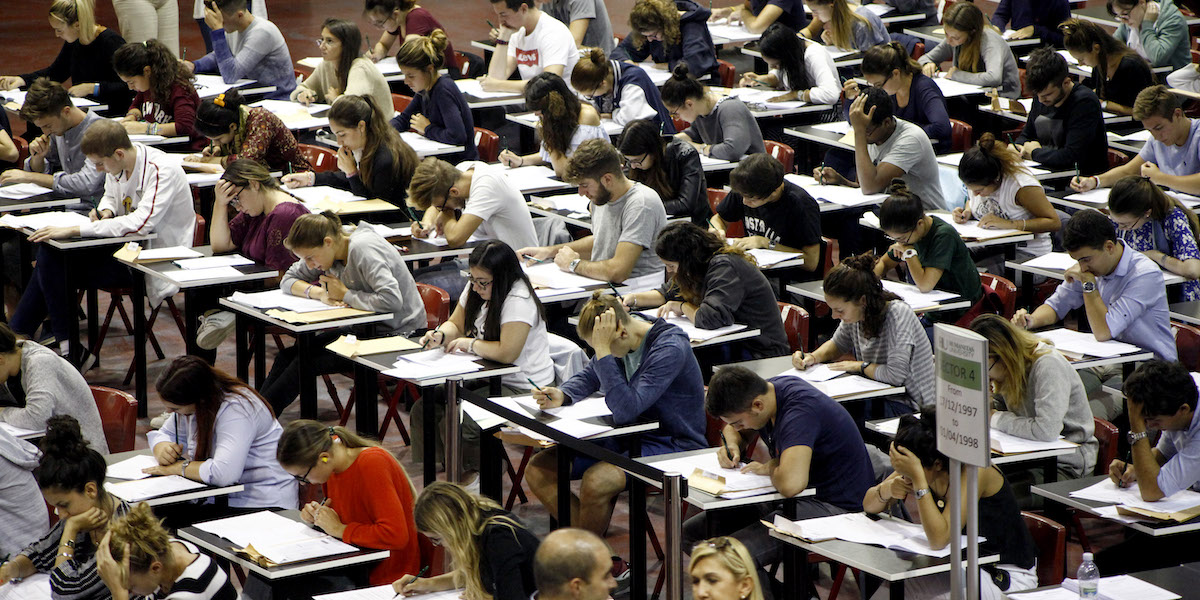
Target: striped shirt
{"points": [[201, 580], [901, 353], [75, 579]]}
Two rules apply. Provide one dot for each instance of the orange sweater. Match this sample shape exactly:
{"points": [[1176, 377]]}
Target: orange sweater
{"points": [[374, 499]]}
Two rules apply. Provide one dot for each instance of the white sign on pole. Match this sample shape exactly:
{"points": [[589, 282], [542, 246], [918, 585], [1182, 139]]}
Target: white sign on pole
{"points": [[962, 395]]}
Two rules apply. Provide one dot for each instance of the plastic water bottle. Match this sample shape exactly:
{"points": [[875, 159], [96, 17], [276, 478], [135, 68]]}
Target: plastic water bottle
{"points": [[1089, 578]]}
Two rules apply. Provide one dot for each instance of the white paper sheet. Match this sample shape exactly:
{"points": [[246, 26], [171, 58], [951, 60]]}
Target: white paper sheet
{"points": [[278, 299], [209, 86], [1124, 587], [914, 297], [952, 160], [388, 232], [735, 479], [1085, 343], [534, 177], [548, 294], [858, 528], [694, 333], [733, 33], [211, 262], [849, 385], [433, 363], [323, 193], [587, 408], [1054, 593], [1011, 444], [18, 97], [21, 432], [471, 87], [131, 468], [1096, 196], [276, 537], [820, 372], [972, 230], [385, 592], [1107, 491], [839, 127], [20, 191], [548, 275], [708, 161], [767, 257], [152, 487], [421, 144], [952, 88], [575, 203], [171, 252], [1060, 261], [46, 219], [187, 275], [836, 194], [763, 98], [34, 587]]}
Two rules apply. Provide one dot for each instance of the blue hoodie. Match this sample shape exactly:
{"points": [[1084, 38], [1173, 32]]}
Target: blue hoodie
{"points": [[695, 45], [22, 509]]}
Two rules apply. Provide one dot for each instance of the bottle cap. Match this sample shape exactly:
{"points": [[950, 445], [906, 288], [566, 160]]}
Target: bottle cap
{"points": [[1087, 556]]}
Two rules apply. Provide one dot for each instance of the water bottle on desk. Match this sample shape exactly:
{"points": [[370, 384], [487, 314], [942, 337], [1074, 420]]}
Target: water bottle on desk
{"points": [[1088, 577]]}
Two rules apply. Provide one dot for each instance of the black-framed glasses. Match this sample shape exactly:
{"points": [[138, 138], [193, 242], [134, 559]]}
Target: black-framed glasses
{"points": [[636, 163], [304, 478], [479, 283]]}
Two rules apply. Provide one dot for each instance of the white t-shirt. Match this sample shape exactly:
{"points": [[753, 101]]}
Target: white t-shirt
{"points": [[534, 360], [822, 75], [551, 43], [501, 207], [1004, 205]]}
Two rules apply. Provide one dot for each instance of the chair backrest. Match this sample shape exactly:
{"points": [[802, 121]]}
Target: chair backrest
{"points": [[795, 325], [487, 142], [1187, 343], [322, 159], [680, 124], [1051, 541], [727, 73], [464, 63], [437, 304], [990, 303], [22, 149], [715, 197], [782, 152], [118, 417], [1116, 158], [1005, 289], [200, 232], [830, 252], [918, 50], [1108, 438], [1025, 93], [400, 102], [961, 135]]}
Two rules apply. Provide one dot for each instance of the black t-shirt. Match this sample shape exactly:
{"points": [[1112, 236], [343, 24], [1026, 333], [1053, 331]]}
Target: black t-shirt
{"points": [[1131, 77], [506, 559], [793, 220]]}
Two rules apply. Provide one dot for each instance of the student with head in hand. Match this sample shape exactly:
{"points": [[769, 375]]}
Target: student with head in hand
{"points": [[774, 212], [846, 27], [360, 270], [1171, 157], [668, 32], [498, 317], [221, 433], [369, 500], [399, 20], [164, 100], [1002, 194], [478, 200], [671, 168], [801, 69], [343, 70], [492, 551], [1041, 395], [529, 42], [139, 557], [923, 472], [722, 569], [1118, 73], [1156, 29], [85, 58], [259, 51], [237, 130], [563, 123], [43, 384], [438, 109], [915, 96], [587, 20], [373, 160], [1037, 19], [1159, 226], [757, 15], [71, 476], [882, 334], [1065, 128], [626, 219], [55, 158], [721, 126], [714, 285], [978, 52], [621, 91]]}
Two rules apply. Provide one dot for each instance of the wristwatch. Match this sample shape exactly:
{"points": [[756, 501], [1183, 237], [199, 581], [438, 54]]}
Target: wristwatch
{"points": [[1089, 287], [863, 369], [1134, 436], [921, 493], [183, 471], [574, 265], [910, 253]]}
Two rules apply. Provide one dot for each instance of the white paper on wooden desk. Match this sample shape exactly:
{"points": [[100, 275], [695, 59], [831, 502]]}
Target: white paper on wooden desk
{"points": [[1124, 587], [278, 299], [131, 468], [471, 87], [210, 262], [34, 587], [37, 221], [20, 191], [1086, 343], [187, 275], [152, 487]]}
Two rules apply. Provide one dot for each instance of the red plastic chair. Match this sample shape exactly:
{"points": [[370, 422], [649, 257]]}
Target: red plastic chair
{"points": [[782, 153], [1025, 93], [1051, 541], [830, 255], [1004, 289], [1187, 343], [487, 142], [918, 50], [118, 417], [990, 302], [22, 149], [1116, 158], [321, 158], [795, 324], [961, 135], [400, 102], [734, 229], [680, 124], [464, 63], [726, 73]]}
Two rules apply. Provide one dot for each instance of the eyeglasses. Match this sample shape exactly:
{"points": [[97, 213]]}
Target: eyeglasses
{"points": [[717, 543], [322, 42], [636, 163], [236, 200], [479, 283], [907, 238], [304, 478]]}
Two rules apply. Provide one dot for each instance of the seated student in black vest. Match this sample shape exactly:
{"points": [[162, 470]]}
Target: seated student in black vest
{"points": [[1065, 130]]}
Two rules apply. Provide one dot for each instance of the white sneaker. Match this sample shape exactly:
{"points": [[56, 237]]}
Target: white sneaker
{"points": [[215, 326]]}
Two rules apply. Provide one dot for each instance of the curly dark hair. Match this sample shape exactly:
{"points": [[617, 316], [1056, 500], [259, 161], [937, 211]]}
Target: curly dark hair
{"points": [[549, 94], [132, 59], [854, 278], [693, 247]]}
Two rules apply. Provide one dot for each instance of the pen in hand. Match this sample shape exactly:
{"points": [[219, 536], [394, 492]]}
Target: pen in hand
{"points": [[728, 452], [1128, 463], [419, 575]]}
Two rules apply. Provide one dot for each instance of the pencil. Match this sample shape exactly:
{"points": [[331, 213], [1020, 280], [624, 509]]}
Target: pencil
{"points": [[489, 22], [183, 54], [821, 172], [536, 260], [536, 386]]}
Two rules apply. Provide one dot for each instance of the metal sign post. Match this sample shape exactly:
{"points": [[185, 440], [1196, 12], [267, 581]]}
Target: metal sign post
{"points": [[962, 435]]}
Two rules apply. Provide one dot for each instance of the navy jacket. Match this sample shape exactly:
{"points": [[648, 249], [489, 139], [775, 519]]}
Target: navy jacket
{"points": [[625, 75], [1044, 15], [695, 47], [450, 120]]}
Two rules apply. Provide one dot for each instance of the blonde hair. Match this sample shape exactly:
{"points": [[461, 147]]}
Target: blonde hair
{"points": [[654, 15], [592, 70], [733, 556], [425, 52], [145, 536], [77, 11], [598, 305], [1016, 349], [458, 516], [310, 231], [433, 178], [842, 21], [244, 170]]}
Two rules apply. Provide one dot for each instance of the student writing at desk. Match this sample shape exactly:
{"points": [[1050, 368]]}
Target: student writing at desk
{"points": [[360, 270], [1160, 227], [812, 441], [71, 476], [673, 169], [882, 334], [1171, 157], [850, 28], [620, 91], [887, 148], [55, 158], [625, 221], [476, 201], [222, 433], [1160, 395], [1157, 30], [668, 32], [775, 213], [1065, 130], [370, 501], [564, 123], [400, 19], [529, 42], [1120, 289], [259, 51], [1002, 194], [978, 52], [22, 508], [342, 70], [138, 557], [714, 285], [438, 109], [236, 130], [143, 193], [922, 471], [489, 546], [373, 160], [721, 126], [1118, 73], [164, 100], [799, 69]]}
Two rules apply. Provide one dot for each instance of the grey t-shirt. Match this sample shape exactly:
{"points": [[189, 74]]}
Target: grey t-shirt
{"points": [[636, 217], [909, 149], [901, 352], [730, 129], [599, 33]]}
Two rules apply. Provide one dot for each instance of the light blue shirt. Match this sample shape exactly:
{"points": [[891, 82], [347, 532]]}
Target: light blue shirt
{"points": [[1137, 303], [242, 450], [1182, 450], [1176, 160]]}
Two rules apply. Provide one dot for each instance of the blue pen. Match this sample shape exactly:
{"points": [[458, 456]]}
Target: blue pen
{"points": [[536, 386]]}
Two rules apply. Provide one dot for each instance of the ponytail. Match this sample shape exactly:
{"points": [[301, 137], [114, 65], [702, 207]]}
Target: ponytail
{"points": [[989, 161], [592, 71]]}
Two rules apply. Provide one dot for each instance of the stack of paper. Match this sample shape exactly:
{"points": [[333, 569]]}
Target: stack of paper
{"points": [[548, 275], [20, 191], [952, 88], [390, 232], [972, 231], [433, 363], [1123, 587], [657, 76], [350, 346], [152, 487], [576, 204], [1185, 501], [277, 538], [587, 408], [708, 161], [278, 299], [915, 298], [1086, 344], [849, 385], [317, 194], [531, 178], [768, 258], [1057, 261], [212, 262], [295, 115], [695, 334], [131, 468], [1006, 443], [169, 253], [704, 472], [209, 86], [732, 33], [46, 219], [185, 276], [813, 374], [835, 194], [423, 145], [34, 587], [572, 427], [755, 97], [838, 127], [861, 529]]}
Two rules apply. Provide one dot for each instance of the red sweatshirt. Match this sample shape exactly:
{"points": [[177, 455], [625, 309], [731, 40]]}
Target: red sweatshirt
{"points": [[374, 499]]}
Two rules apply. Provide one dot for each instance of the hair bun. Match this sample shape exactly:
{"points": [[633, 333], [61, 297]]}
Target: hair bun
{"points": [[596, 55], [64, 437], [860, 262], [987, 142], [681, 71], [897, 187]]}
